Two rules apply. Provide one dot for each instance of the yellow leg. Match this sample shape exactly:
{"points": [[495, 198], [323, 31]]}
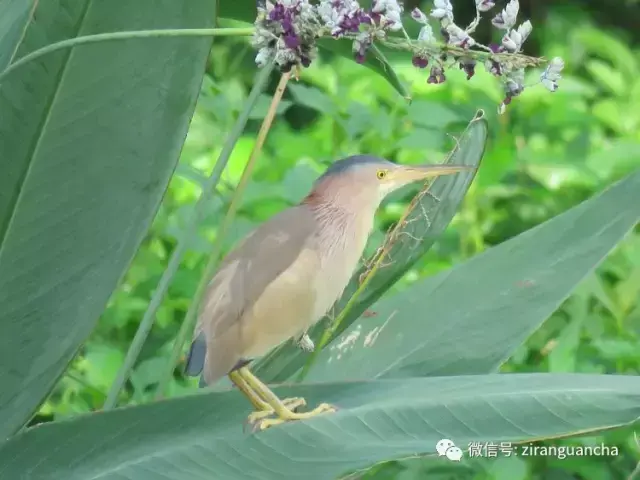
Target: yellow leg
{"points": [[253, 397], [263, 408], [278, 407]]}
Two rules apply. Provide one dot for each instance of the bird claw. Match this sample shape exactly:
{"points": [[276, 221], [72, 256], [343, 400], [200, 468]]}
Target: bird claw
{"points": [[264, 423]]}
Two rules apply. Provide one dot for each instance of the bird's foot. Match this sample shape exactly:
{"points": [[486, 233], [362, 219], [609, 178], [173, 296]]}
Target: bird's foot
{"points": [[289, 416], [292, 404]]}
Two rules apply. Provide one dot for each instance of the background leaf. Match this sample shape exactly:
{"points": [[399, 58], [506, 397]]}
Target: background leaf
{"points": [[83, 174], [423, 226], [201, 436]]}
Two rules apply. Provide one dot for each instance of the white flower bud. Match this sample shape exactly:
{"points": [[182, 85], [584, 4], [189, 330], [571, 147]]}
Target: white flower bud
{"points": [[550, 85], [551, 74], [442, 9], [426, 34], [524, 30], [418, 16], [556, 65], [516, 37], [507, 18], [459, 37], [394, 21], [484, 5], [263, 56], [509, 43], [379, 6]]}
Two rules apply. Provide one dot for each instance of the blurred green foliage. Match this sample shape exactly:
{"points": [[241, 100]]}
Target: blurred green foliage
{"points": [[548, 153]]}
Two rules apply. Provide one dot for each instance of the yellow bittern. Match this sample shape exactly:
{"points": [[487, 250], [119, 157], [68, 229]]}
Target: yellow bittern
{"points": [[285, 275]]}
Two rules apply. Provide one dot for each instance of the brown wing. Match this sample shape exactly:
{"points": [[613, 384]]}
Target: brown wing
{"points": [[246, 272]]}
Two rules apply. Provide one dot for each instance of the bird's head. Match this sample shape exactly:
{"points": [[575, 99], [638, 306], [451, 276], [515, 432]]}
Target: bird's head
{"points": [[363, 180]]}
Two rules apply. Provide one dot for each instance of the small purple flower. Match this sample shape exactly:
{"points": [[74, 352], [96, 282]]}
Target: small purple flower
{"points": [[364, 17], [437, 75], [277, 13], [469, 67], [493, 67], [360, 47], [420, 62], [467, 42], [291, 40], [495, 48], [351, 23], [287, 22]]}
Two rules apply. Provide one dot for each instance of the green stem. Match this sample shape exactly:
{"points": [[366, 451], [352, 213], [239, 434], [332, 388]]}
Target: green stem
{"points": [[174, 262], [189, 321], [106, 37]]}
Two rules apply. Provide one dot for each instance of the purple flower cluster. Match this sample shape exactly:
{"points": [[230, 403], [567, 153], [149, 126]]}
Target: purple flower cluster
{"points": [[286, 31], [343, 16], [346, 17]]}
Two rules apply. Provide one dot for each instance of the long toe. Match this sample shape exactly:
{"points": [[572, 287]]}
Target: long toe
{"points": [[274, 420], [319, 410], [259, 415], [294, 403]]}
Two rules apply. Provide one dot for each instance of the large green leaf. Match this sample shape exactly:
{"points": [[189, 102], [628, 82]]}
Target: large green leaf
{"points": [[89, 138], [14, 16], [470, 319], [246, 11], [201, 437], [426, 222]]}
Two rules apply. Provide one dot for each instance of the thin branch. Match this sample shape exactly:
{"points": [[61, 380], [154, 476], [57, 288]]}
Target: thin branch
{"points": [[107, 37]]}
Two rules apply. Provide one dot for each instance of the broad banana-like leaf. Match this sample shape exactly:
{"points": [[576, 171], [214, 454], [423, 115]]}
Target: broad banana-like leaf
{"points": [[14, 16], [427, 219], [89, 138], [470, 319], [201, 436]]}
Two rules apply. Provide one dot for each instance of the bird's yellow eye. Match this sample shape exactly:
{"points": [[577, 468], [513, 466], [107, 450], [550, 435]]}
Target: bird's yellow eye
{"points": [[381, 174]]}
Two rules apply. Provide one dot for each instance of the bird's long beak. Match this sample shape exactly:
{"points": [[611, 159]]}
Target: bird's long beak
{"points": [[414, 173]]}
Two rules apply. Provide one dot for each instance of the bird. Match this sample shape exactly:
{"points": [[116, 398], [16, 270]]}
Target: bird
{"points": [[286, 274]]}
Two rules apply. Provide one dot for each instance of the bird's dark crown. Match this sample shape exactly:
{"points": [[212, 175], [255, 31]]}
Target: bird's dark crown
{"points": [[345, 164]]}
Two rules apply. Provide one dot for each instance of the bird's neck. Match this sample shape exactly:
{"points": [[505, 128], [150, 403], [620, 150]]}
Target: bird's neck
{"points": [[344, 224]]}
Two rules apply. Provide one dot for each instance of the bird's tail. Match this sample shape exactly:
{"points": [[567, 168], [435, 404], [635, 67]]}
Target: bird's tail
{"points": [[197, 354]]}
